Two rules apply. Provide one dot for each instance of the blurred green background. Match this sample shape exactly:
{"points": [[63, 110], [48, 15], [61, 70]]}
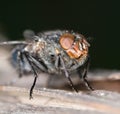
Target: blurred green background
{"points": [[97, 19]]}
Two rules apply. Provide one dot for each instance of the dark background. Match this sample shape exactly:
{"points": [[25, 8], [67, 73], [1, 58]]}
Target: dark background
{"points": [[97, 19]]}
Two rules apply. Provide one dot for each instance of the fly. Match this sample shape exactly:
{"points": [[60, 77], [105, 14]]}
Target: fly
{"points": [[53, 52]]}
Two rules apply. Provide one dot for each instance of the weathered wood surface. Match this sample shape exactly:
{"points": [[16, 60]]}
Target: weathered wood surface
{"points": [[14, 98]]}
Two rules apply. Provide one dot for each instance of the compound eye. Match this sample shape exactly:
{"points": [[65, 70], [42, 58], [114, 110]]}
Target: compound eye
{"points": [[66, 40]]}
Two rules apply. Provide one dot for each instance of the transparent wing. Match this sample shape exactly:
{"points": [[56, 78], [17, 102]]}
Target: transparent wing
{"points": [[13, 43]]}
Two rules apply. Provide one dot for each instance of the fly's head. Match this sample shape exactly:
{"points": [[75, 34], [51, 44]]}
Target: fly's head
{"points": [[75, 45]]}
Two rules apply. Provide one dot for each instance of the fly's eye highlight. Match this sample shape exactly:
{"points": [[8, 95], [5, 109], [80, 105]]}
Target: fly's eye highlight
{"points": [[66, 40]]}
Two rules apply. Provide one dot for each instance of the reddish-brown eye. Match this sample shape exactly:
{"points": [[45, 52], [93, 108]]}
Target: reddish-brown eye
{"points": [[66, 40]]}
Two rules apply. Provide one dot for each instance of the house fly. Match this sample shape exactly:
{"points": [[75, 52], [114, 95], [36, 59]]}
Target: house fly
{"points": [[53, 52]]}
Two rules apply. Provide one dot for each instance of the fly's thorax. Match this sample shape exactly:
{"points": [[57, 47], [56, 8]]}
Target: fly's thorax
{"points": [[35, 47]]}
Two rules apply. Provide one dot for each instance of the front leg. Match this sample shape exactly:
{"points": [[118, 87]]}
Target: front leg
{"points": [[62, 63], [82, 72]]}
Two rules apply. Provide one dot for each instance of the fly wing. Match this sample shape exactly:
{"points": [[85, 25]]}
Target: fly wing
{"points": [[13, 43]]}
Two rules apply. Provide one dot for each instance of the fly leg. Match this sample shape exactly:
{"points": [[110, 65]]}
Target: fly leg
{"points": [[34, 63], [34, 72], [66, 72], [82, 71]]}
